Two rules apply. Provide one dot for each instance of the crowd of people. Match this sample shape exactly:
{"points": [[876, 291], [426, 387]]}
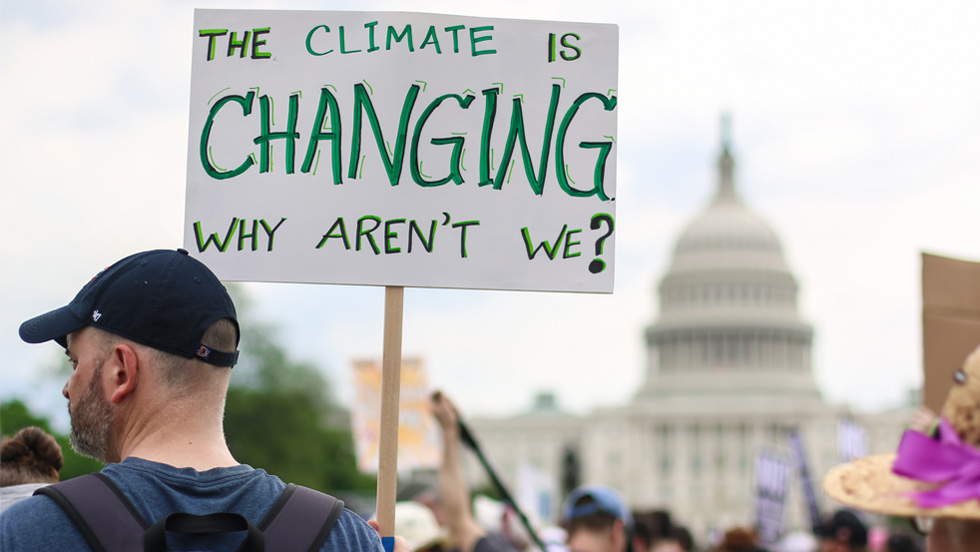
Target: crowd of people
{"points": [[594, 518], [152, 340]]}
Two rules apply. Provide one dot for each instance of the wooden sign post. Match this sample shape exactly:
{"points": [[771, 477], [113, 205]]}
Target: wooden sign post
{"points": [[391, 362]]}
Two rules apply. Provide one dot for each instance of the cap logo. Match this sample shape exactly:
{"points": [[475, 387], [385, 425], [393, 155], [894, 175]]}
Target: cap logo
{"points": [[204, 352], [96, 315], [99, 273]]}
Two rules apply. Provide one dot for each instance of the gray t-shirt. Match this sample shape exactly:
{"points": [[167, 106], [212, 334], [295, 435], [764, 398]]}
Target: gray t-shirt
{"points": [[157, 490]]}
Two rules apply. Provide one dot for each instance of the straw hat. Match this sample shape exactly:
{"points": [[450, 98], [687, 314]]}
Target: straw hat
{"points": [[936, 476]]}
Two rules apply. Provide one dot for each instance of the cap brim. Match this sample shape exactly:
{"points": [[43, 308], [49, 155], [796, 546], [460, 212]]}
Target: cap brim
{"points": [[868, 484], [55, 325]]}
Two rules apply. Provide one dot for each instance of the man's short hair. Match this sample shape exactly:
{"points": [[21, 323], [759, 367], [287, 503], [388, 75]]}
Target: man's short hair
{"points": [[184, 374], [594, 508]]}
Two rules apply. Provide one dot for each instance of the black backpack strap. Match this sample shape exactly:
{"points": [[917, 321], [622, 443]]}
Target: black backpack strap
{"points": [[100, 511], [301, 519], [155, 539]]}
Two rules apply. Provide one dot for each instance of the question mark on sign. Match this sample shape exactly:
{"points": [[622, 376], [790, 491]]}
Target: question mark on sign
{"points": [[598, 265]]}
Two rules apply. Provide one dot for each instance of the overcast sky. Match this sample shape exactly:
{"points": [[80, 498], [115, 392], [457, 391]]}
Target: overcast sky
{"points": [[856, 131]]}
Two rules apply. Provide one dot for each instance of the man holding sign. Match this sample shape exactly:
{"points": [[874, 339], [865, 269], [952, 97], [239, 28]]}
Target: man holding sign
{"points": [[403, 149], [152, 340]]}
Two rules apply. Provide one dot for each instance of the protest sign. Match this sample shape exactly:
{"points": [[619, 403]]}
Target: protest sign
{"points": [[803, 470], [537, 493], [771, 482], [852, 440], [419, 440], [950, 322], [403, 149]]}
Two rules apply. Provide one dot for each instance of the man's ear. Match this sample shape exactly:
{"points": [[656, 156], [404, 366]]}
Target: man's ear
{"points": [[124, 373]]}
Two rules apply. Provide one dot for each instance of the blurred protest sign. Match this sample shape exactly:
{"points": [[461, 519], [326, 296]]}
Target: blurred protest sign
{"points": [[419, 441], [771, 482], [852, 440], [537, 493], [950, 322], [798, 449], [403, 149]]}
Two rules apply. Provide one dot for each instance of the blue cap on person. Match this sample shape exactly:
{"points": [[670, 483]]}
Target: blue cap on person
{"points": [[595, 499], [164, 299]]}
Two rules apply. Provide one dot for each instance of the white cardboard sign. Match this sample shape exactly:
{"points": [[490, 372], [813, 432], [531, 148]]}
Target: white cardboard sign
{"points": [[403, 149]]}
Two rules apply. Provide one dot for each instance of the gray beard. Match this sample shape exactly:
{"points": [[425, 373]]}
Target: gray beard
{"points": [[91, 421]]}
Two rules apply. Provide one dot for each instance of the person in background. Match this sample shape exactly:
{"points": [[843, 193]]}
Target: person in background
{"points": [[597, 520], [417, 523], [498, 517], [843, 532], [933, 473], [738, 539], [465, 534], [659, 533], [683, 537], [901, 543], [642, 536], [678, 539], [28, 460]]}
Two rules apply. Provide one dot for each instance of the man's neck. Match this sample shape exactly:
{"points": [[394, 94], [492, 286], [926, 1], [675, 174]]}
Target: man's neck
{"points": [[179, 438]]}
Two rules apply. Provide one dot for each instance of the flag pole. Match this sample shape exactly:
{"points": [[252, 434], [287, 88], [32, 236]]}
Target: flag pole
{"points": [[466, 436]]}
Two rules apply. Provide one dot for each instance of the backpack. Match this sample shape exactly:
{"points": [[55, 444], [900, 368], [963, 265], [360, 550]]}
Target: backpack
{"points": [[300, 520]]}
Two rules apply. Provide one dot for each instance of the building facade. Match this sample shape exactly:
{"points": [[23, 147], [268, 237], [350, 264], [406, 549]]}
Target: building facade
{"points": [[728, 374]]}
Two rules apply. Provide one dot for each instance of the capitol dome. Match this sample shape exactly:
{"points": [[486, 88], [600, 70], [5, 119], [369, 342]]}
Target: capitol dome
{"points": [[728, 318], [728, 405], [728, 225], [727, 233]]}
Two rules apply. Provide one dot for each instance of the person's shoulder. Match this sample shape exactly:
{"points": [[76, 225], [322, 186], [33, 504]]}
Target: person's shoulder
{"points": [[32, 510], [12, 494], [37, 523], [351, 532]]}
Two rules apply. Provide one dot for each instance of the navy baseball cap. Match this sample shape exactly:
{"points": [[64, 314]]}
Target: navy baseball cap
{"points": [[603, 501], [163, 299]]}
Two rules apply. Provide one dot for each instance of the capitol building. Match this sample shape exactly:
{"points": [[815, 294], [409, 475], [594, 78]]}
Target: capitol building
{"points": [[728, 375]]}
